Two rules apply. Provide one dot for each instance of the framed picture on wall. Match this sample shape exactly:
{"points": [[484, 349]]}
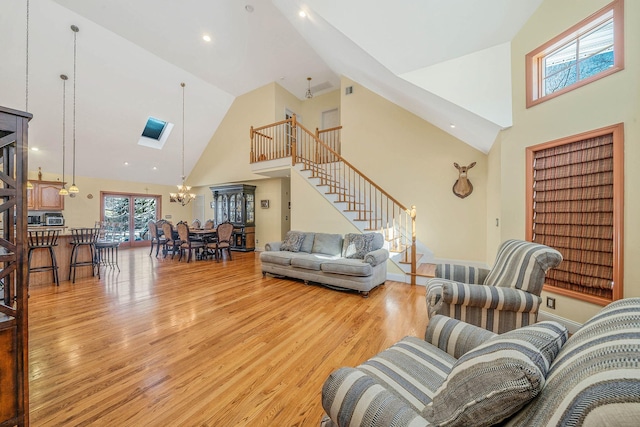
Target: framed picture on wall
{"points": [[264, 204]]}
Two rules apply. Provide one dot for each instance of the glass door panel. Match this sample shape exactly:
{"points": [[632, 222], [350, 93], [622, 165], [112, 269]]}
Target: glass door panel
{"points": [[128, 215]]}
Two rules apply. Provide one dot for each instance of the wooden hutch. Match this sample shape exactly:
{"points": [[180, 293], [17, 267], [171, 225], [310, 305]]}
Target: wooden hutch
{"points": [[236, 204], [14, 367]]}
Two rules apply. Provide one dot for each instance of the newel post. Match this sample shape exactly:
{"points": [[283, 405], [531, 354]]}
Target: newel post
{"points": [[252, 154], [294, 142], [413, 245]]}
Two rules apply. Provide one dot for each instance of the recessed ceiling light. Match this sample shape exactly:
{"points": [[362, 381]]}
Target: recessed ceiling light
{"points": [[248, 8], [302, 14], [206, 38], [35, 149], [126, 163], [452, 125], [155, 168]]}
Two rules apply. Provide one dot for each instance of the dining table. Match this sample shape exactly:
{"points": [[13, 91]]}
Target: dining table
{"points": [[207, 235]]}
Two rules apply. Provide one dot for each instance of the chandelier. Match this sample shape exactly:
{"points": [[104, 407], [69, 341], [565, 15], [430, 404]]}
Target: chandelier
{"points": [[184, 195], [308, 94]]}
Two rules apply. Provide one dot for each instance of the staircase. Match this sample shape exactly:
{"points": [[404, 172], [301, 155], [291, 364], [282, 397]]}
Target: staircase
{"points": [[316, 157]]}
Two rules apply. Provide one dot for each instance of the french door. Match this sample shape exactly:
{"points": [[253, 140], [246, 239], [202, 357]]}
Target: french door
{"points": [[128, 215]]}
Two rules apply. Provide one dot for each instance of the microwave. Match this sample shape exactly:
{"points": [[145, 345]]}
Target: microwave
{"points": [[54, 220]]}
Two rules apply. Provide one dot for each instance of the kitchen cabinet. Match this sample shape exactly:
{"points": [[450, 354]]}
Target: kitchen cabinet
{"points": [[45, 196], [237, 204]]}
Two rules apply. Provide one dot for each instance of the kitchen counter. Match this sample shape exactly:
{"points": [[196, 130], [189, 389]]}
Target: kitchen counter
{"points": [[62, 252]]}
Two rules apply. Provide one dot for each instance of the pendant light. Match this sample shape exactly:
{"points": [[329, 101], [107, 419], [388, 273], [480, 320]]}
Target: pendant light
{"points": [[74, 188], [63, 191], [308, 95], [184, 195]]}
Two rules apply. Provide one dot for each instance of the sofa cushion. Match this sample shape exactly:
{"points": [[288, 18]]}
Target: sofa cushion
{"points": [[493, 381], [329, 244], [411, 370], [595, 379], [308, 262], [292, 241], [522, 265], [357, 245], [279, 258], [349, 267], [307, 243]]}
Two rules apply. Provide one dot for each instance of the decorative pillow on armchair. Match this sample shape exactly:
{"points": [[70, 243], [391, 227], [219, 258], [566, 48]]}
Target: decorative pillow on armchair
{"points": [[358, 245], [292, 241], [494, 380]]}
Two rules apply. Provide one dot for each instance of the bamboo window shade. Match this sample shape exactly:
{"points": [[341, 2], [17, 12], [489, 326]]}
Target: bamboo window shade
{"points": [[573, 212]]}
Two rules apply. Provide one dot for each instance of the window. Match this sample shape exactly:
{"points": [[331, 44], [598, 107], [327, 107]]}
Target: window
{"points": [[130, 214], [155, 133], [575, 205], [586, 52]]}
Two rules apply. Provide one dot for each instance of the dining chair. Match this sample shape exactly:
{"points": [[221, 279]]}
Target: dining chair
{"points": [[208, 224], [223, 240], [196, 223], [187, 243], [171, 243], [155, 238]]}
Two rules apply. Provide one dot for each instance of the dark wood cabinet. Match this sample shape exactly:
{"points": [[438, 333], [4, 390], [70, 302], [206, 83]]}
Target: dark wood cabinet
{"points": [[14, 334], [237, 204]]}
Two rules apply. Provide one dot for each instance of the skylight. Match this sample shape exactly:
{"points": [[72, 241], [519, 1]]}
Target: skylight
{"points": [[155, 133]]}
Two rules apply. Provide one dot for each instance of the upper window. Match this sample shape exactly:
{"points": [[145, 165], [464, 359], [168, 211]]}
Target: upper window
{"points": [[586, 52]]}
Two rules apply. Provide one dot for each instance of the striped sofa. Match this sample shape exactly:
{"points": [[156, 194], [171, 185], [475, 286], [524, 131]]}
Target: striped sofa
{"points": [[499, 300], [463, 375]]}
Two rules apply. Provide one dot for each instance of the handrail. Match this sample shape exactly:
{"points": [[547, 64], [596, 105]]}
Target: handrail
{"points": [[355, 169], [367, 200]]}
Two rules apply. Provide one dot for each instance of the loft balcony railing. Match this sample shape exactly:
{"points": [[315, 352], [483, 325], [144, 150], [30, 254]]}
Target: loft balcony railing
{"points": [[319, 154]]}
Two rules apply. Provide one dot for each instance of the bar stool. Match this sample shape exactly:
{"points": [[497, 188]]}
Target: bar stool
{"points": [[83, 237], [44, 239], [107, 245]]}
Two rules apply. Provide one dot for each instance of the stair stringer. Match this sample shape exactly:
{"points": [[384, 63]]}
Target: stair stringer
{"points": [[427, 255]]}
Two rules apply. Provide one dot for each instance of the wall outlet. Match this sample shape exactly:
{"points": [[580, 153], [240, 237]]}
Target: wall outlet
{"points": [[551, 303], [257, 241]]}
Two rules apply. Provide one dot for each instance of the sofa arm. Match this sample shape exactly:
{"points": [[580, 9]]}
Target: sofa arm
{"points": [[272, 246], [455, 336], [377, 257], [507, 299], [352, 398], [462, 273]]}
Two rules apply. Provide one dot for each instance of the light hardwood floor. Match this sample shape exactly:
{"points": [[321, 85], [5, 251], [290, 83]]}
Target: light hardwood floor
{"points": [[165, 343]]}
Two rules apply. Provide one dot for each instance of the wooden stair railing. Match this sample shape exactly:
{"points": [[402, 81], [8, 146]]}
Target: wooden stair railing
{"points": [[364, 198]]}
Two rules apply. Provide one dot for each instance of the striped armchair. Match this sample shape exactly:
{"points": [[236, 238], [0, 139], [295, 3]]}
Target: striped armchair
{"points": [[501, 299], [462, 375]]}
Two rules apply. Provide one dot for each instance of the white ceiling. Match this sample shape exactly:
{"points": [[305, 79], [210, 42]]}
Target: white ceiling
{"points": [[132, 56]]}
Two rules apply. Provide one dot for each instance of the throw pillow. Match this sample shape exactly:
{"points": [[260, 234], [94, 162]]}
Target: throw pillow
{"points": [[358, 245], [493, 381], [292, 241]]}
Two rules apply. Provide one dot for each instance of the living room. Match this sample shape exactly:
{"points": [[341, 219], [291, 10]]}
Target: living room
{"points": [[413, 159]]}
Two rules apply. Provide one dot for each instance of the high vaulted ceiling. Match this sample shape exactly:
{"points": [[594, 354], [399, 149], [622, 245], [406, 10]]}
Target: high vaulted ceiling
{"points": [[447, 61]]}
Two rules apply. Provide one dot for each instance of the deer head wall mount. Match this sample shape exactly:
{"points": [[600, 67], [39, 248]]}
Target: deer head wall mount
{"points": [[463, 187]]}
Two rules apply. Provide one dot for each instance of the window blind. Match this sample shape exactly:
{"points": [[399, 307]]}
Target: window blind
{"points": [[573, 213]]}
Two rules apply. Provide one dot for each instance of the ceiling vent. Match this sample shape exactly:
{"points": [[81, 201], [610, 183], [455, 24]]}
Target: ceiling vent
{"points": [[320, 87], [155, 133]]}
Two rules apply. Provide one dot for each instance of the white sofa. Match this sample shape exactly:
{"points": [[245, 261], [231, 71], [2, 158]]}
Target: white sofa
{"points": [[355, 262]]}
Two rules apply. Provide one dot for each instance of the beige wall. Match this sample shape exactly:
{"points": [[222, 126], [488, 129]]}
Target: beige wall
{"points": [[614, 99], [226, 157], [413, 161], [82, 211]]}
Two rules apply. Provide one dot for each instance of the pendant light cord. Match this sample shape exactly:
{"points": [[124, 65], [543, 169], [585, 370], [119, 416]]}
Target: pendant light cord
{"points": [[75, 37], [183, 176], [64, 120], [26, 85]]}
